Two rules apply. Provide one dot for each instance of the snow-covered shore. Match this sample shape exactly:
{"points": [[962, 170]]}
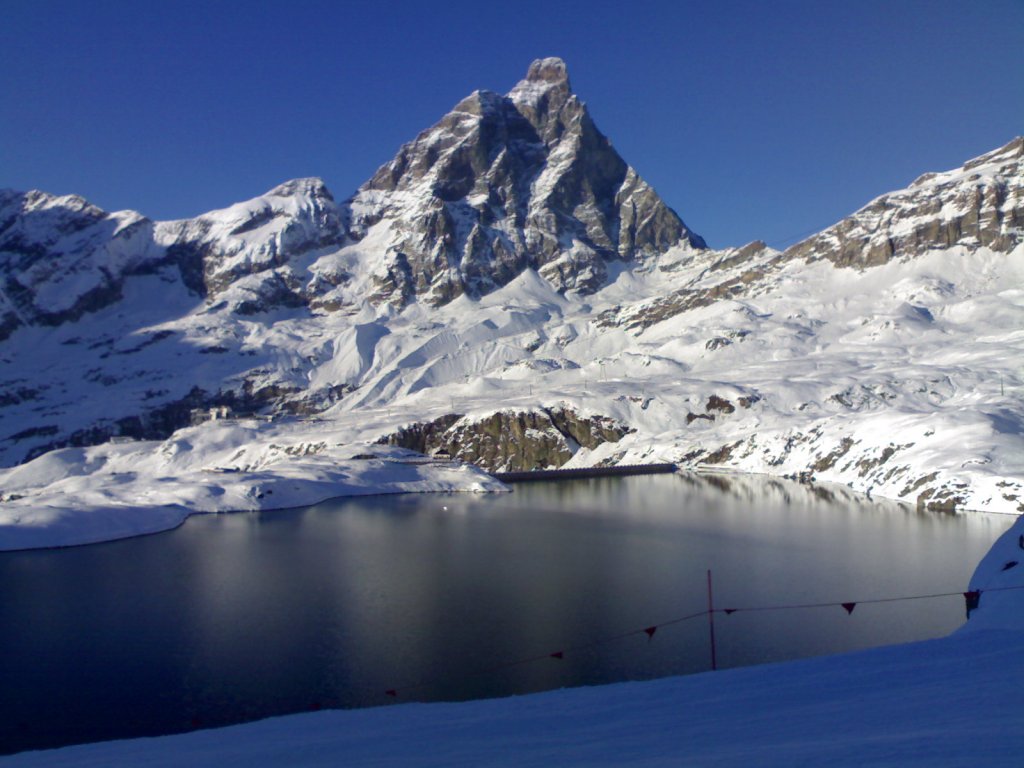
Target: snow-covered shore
{"points": [[117, 490], [947, 702]]}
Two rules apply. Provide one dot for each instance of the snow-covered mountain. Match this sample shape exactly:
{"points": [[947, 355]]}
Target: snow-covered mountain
{"points": [[506, 183], [499, 185], [507, 290]]}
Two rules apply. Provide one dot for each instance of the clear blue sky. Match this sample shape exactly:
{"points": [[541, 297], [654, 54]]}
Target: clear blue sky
{"points": [[752, 119]]}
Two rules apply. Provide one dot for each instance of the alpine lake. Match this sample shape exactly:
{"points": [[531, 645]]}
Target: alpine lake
{"points": [[378, 600]]}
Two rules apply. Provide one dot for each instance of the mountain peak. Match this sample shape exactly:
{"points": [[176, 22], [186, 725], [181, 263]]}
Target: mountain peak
{"points": [[549, 70], [507, 183], [310, 187], [545, 89]]}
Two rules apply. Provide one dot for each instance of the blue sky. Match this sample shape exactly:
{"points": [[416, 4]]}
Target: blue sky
{"points": [[753, 120]]}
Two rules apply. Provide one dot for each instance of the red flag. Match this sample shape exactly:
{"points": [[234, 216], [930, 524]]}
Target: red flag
{"points": [[391, 692], [849, 607], [650, 631], [729, 610], [558, 655]]}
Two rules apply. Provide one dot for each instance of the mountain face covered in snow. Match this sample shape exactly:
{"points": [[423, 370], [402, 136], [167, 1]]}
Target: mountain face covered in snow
{"points": [[61, 257], [505, 183], [509, 292]]}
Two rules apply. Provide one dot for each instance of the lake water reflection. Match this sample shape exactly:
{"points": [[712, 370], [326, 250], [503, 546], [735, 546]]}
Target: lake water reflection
{"points": [[237, 617]]}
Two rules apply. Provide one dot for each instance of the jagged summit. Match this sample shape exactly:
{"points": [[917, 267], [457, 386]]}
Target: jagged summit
{"points": [[506, 183], [545, 98], [549, 70], [544, 90]]}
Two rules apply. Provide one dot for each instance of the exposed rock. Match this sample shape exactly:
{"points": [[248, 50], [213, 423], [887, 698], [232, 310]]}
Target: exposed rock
{"points": [[720, 404], [722, 454], [589, 432], [506, 183], [507, 442], [510, 441], [422, 437], [941, 499], [978, 205], [827, 462]]}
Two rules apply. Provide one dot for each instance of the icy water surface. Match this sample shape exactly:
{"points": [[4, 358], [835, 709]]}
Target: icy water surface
{"points": [[239, 617]]}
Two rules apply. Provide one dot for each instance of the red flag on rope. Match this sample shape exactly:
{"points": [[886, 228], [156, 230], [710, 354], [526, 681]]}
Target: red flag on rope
{"points": [[650, 631], [558, 655], [391, 692], [730, 610], [849, 607], [971, 599]]}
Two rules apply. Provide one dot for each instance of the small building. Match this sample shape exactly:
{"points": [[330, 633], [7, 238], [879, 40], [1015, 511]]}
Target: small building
{"points": [[220, 412], [215, 413]]}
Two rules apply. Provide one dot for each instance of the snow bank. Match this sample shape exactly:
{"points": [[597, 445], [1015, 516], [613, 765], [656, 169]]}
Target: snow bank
{"points": [[1000, 579], [112, 491]]}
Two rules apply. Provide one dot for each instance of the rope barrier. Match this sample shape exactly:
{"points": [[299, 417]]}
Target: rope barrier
{"points": [[557, 655], [843, 604], [970, 596]]}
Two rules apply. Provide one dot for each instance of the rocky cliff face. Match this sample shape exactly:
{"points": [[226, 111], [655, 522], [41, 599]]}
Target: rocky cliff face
{"points": [[978, 205], [506, 183], [511, 441], [61, 257]]}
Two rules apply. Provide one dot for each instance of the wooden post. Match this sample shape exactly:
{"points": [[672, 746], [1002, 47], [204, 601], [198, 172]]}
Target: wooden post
{"points": [[711, 623]]}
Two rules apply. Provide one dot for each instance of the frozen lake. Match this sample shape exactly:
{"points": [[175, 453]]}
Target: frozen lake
{"points": [[243, 616]]}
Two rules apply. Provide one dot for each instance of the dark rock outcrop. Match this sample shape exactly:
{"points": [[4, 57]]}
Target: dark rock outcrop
{"points": [[508, 441]]}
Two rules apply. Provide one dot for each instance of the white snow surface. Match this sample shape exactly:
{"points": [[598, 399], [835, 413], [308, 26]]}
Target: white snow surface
{"points": [[898, 380], [117, 490]]}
